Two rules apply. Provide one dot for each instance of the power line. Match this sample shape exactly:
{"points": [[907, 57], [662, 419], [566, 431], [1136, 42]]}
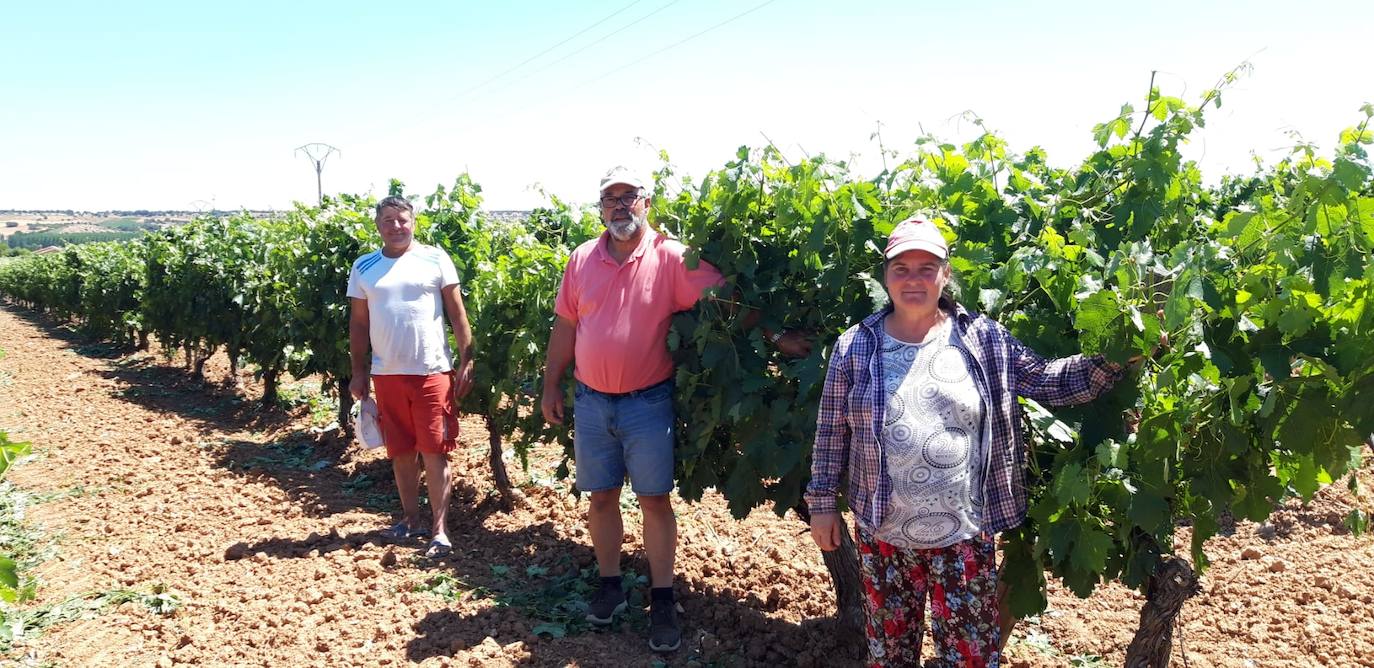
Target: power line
{"points": [[518, 108], [589, 45], [555, 46], [736, 17], [678, 43]]}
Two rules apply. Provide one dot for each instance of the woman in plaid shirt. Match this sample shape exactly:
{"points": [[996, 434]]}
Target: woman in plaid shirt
{"points": [[919, 408]]}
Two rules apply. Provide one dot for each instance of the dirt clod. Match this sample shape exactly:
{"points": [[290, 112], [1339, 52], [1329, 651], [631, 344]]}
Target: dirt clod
{"points": [[236, 551]]}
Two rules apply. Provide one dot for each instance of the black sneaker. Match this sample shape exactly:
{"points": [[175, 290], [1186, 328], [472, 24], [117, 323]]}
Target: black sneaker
{"points": [[606, 603], [664, 633]]}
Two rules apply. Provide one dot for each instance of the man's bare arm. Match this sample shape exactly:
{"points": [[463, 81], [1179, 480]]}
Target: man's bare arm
{"points": [[359, 348], [462, 336], [562, 343]]}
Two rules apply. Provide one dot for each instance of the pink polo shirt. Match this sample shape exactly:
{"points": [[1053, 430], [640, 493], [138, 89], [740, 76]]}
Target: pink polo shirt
{"points": [[622, 311]]}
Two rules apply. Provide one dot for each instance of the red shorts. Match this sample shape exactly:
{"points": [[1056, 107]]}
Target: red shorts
{"points": [[417, 413]]}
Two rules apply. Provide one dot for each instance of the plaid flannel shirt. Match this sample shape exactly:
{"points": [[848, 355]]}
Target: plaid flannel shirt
{"points": [[853, 402]]}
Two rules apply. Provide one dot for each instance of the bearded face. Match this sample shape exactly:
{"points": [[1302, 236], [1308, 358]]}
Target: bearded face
{"points": [[624, 211], [626, 229]]}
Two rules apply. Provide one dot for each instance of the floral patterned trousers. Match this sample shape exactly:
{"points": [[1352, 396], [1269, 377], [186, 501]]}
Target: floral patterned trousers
{"points": [[961, 581]]}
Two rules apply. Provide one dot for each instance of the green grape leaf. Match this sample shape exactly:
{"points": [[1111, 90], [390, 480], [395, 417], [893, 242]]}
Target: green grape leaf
{"points": [[1072, 486], [1091, 549], [1102, 324], [1110, 454], [1022, 573], [1149, 510]]}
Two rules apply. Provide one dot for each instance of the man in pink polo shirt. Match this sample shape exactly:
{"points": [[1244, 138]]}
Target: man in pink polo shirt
{"points": [[618, 296]]}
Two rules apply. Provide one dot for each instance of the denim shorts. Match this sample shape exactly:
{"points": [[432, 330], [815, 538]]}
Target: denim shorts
{"points": [[618, 434]]}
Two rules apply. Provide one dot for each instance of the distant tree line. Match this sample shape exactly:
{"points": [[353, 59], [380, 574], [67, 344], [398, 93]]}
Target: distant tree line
{"points": [[34, 240], [130, 225], [144, 213]]}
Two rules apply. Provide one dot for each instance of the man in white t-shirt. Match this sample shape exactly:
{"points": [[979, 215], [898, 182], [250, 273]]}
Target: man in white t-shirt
{"points": [[399, 297]]}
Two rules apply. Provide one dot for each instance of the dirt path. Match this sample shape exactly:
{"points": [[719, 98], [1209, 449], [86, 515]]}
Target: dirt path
{"points": [[267, 534]]}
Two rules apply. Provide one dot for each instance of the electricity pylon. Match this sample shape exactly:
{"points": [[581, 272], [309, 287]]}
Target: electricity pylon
{"points": [[318, 153]]}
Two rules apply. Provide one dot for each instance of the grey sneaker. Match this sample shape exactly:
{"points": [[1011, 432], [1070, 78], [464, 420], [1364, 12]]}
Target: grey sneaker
{"points": [[606, 603], [664, 633]]}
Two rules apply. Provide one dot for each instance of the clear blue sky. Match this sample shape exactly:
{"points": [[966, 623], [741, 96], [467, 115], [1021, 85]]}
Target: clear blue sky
{"points": [[158, 104]]}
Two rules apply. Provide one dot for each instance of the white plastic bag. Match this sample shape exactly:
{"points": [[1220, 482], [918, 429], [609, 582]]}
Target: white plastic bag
{"points": [[367, 425]]}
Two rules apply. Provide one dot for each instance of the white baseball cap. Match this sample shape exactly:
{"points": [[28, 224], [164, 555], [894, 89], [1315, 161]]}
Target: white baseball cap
{"points": [[621, 174]]}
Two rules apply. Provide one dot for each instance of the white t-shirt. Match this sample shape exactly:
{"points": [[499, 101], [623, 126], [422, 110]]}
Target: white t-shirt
{"points": [[932, 436], [405, 309]]}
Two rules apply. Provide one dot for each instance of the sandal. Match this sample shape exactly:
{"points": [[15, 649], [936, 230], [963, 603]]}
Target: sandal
{"points": [[398, 531], [439, 548]]}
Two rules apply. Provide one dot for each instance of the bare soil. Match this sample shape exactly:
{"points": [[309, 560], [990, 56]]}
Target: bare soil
{"points": [[77, 222], [267, 531], [29, 221]]}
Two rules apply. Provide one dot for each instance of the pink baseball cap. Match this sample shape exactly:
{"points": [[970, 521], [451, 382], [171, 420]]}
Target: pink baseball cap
{"points": [[916, 233]]}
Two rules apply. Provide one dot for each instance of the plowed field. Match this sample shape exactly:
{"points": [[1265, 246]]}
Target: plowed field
{"points": [[266, 532]]}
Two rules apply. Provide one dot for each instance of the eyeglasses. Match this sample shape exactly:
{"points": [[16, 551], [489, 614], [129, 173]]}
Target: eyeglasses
{"points": [[624, 200]]}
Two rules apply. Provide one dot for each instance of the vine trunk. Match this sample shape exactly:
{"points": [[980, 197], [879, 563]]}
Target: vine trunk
{"points": [[498, 465], [1172, 584]]}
